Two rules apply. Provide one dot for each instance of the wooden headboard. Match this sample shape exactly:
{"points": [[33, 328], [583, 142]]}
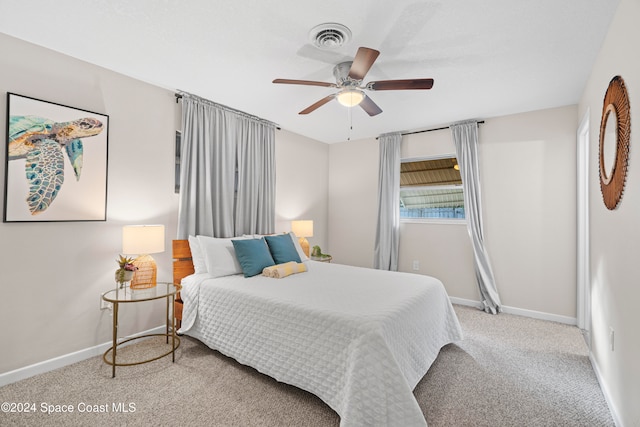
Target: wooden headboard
{"points": [[182, 267], [182, 262]]}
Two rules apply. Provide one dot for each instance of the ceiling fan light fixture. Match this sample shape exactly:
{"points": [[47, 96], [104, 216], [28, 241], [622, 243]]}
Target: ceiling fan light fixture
{"points": [[350, 97]]}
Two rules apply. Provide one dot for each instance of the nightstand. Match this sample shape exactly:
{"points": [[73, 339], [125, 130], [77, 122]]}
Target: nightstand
{"points": [[128, 296]]}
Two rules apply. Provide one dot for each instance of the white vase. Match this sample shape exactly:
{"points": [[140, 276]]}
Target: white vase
{"points": [[123, 276]]}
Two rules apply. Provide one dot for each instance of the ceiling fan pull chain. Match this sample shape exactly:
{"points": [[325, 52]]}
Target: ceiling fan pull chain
{"points": [[350, 123]]}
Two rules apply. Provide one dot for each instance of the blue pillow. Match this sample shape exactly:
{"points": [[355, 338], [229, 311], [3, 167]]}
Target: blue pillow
{"points": [[282, 248], [253, 255]]}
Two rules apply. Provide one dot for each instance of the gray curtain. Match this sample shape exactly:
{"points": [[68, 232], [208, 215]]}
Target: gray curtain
{"points": [[465, 138], [255, 203], [227, 171], [388, 229]]}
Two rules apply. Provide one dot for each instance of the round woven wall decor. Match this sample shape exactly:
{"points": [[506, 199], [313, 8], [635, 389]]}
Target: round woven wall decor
{"points": [[616, 101]]}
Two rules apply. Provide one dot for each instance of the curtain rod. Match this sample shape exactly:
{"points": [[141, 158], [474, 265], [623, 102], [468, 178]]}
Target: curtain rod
{"points": [[179, 97], [429, 130]]}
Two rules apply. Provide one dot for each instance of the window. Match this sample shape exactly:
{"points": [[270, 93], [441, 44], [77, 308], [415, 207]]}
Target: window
{"points": [[431, 189]]}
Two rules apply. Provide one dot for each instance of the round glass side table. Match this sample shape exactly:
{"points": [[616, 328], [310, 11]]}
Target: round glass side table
{"points": [[127, 295]]}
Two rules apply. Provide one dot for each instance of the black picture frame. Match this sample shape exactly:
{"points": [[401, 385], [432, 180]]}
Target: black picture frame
{"points": [[56, 162]]}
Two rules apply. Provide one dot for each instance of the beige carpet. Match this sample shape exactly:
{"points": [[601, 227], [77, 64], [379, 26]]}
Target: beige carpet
{"points": [[509, 371]]}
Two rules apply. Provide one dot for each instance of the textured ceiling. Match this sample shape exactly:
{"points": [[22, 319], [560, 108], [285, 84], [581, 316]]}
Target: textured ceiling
{"points": [[488, 58]]}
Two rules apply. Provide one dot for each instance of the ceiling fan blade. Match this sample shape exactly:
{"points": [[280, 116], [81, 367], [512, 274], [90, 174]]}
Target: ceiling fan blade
{"points": [[304, 82], [363, 61], [401, 84], [370, 107], [318, 104]]}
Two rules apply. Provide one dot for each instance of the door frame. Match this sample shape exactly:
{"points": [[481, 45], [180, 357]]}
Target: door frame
{"points": [[583, 303]]}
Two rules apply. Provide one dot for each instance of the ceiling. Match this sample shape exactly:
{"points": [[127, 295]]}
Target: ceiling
{"points": [[488, 58]]}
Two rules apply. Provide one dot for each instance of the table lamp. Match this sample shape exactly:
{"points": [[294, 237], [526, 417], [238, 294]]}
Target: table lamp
{"points": [[303, 229], [143, 240]]}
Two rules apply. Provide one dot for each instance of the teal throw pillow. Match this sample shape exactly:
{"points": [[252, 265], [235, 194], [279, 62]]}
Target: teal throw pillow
{"points": [[282, 248], [253, 256]]}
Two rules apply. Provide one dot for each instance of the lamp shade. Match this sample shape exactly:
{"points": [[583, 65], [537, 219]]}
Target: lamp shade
{"points": [[302, 228], [142, 239]]}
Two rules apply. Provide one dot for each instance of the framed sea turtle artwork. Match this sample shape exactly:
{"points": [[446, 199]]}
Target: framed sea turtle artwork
{"points": [[56, 162]]}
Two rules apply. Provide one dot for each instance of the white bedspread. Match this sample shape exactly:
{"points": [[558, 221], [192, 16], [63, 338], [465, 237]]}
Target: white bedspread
{"points": [[360, 339]]}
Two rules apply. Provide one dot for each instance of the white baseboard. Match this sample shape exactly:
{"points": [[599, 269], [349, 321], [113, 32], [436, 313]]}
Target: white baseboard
{"points": [[467, 302], [520, 311], [64, 360], [605, 392]]}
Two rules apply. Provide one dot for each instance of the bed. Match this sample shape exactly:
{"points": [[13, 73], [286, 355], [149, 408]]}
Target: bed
{"points": [[360, 339]]}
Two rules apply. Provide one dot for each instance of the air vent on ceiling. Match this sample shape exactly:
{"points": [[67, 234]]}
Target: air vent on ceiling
{"points": [[330, 35]]}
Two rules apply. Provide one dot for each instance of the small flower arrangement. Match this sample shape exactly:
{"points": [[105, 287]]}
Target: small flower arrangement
{"points": [[126, 263], [125, 272]]}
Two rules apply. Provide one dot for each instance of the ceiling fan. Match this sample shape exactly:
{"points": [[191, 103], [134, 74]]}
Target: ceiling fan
{"points": [[349, 77]]}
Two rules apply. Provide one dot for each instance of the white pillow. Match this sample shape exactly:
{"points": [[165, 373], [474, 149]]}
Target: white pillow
{"points": [[219, 256], [296, 242], [197, 255]]}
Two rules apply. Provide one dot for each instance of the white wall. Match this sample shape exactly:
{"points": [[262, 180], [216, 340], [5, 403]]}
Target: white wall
{"points": [[528, 164], [52, 274], [353, 182], [528, 183], [615, 252], [302, 184]]}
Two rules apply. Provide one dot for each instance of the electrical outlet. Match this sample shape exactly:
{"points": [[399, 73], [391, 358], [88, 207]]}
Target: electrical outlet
{"points": [[416, 265], [104, 305], [612, 335]]}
